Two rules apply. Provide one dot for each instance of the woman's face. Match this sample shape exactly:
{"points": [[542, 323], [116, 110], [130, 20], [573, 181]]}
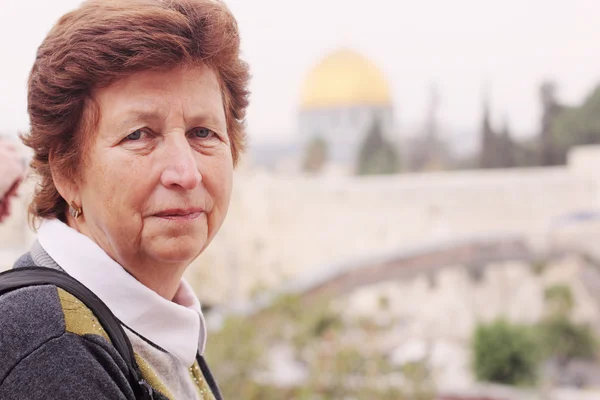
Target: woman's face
{"points": [[158, 176]]}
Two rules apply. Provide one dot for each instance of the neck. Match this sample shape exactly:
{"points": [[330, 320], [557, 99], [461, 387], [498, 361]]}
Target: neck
{"points": [[162, 279]]}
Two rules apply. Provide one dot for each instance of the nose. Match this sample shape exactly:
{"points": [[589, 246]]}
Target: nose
{"points": [[181, 167]]}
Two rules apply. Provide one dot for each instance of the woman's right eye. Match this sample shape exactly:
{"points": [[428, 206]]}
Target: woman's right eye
{"points": [[135, 135]]}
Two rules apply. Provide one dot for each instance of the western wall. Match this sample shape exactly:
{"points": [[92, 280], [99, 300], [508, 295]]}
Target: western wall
{"points": [[283, 227]]}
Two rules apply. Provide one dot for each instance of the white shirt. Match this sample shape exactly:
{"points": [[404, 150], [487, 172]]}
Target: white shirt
{"points": [[177, 326]]}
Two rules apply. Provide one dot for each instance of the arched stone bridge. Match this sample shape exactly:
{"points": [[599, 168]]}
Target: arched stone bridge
{"points": [[474, 254]]}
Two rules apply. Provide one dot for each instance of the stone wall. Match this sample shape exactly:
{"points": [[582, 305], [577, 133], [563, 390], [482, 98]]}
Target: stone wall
{"points": [[283, 227]]}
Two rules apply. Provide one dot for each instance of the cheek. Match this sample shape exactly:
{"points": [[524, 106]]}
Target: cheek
{"points": [[117, 187], [219, 183]]}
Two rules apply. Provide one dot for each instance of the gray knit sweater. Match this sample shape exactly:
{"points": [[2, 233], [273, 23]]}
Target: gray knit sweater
{"points": [[52, 347]]}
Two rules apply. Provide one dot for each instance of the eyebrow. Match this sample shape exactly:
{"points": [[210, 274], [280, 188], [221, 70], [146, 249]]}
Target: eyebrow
{"points": [[133, 117], [136, 116]]}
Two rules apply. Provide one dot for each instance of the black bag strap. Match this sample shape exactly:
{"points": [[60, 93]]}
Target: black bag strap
{"points": [[212, 384], [36, 276]]}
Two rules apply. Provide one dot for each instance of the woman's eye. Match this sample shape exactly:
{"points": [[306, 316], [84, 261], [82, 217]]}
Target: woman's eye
{"points": [[203, 133], [136, 135]]}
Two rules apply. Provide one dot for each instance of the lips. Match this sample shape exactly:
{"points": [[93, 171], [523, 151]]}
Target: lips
{"points": [[180, 214]]}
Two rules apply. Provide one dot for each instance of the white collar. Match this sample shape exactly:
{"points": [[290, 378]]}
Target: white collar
{"points": [[177, 326]]}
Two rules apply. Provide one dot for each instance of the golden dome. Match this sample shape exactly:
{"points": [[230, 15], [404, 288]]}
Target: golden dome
{"points": [[344, 78]]}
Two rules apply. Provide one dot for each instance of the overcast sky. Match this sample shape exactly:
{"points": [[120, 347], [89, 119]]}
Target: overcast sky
{"points": [[463, 46]]}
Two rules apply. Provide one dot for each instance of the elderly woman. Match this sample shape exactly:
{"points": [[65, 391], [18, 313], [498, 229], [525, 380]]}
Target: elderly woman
{"points": [[136, 110]]}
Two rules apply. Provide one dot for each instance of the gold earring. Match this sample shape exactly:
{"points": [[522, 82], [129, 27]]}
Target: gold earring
{"points": [[74, 210]]}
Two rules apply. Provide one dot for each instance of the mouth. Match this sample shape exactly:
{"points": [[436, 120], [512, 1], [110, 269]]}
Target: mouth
{"points": [[179, 214]]}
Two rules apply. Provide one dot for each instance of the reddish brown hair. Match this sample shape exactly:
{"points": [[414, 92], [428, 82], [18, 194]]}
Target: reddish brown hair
{"points": [[107, 40]]}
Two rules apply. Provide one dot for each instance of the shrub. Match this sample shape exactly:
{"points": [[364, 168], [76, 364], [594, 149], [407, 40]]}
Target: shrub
{"points": [[505, 353], [564, 340], [559, 300]]}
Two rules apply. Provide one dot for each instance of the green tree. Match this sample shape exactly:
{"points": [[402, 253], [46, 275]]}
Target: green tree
{"points": [[560, 338], [549, 152], [576, 126], [488, 156], [505, 353], [526, 152], [315, 155], [507, 156], [377, 155], [563, 340], [236, 353]]}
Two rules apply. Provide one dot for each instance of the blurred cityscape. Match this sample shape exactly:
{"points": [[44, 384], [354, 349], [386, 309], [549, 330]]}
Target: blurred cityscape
{"points": [[362, 259]]}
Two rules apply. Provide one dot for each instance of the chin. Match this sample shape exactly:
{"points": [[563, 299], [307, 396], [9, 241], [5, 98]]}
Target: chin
{"points": [[178, 252]]}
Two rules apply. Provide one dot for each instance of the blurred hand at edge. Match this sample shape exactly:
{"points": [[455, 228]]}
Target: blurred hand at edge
{"points": [[12, 171]]}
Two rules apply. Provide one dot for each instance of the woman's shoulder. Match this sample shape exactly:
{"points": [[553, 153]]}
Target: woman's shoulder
{"points": [[33, 312], [29, 317], [48, 353], [44, 331], [40, 312], [54, 304]]}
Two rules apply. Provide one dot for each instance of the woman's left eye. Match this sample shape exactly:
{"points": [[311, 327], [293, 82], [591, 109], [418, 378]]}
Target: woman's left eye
{"points": [[203, 133], [135, 135]]}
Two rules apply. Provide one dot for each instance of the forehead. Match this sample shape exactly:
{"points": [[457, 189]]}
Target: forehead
{"points": [[192, 90]]}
